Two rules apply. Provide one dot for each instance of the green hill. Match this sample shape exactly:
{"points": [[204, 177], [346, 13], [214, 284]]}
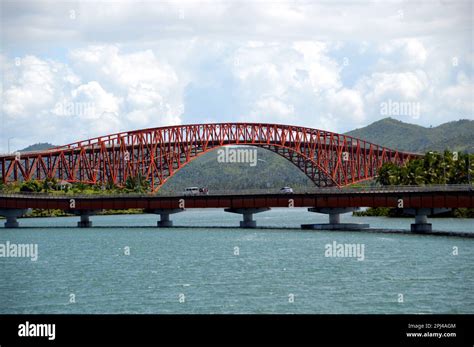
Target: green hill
{"points": [[37, 147], [271, 172], [392, 133]]}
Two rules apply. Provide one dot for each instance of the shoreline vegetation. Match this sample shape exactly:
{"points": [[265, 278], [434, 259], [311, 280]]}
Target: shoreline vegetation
{"points": [[433, 168]]}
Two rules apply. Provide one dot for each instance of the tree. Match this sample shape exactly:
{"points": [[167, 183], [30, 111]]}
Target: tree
{"points": [[137, 183], [386, 171], [111, 186], [31, 186]]}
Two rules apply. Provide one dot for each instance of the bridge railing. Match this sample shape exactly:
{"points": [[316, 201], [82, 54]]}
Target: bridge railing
{"points": [[337, 190], [244, 192]]}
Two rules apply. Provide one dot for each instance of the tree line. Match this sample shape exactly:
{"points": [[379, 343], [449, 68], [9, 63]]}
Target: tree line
{"points": [[433, 168]]}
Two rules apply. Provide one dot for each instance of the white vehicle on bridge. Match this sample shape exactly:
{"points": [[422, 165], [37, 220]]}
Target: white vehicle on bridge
{"points": [[190, 191], [286, 190]]}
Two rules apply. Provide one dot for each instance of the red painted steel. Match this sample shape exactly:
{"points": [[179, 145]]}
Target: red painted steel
{"points": [[327, 158]]}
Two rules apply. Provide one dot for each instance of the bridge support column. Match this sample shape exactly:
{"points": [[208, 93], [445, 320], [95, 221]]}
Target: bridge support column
{"points": [[421, 224], [11, 214], [335, 220], [248, 221], [164, 213], [85, 222]]}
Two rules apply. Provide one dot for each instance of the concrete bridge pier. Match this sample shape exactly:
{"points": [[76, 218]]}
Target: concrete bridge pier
{"points": [[164, 213], [421, 218], [11, 214], [85, 222], [334, 219], [248, 221]]}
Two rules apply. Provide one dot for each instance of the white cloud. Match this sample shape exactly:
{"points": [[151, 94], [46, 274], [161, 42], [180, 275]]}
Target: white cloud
{"points": [[402, 85], [102, 101], [409, 51], [278, 110], [124, 21], [122, 70], [263, 61], [151, 89], [347, 104], [114, 92], [288, 82], [460, 96], [323, 72], [32, 86]]}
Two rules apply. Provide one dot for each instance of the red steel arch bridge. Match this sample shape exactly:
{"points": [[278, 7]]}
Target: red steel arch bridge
{"points": [[329, 159]]}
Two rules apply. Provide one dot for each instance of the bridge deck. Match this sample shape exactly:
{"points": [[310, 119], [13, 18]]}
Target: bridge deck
{"points": [[411, 197]]}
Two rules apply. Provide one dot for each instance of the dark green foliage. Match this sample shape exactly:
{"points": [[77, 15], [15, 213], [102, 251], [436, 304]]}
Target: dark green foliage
{"points": [[373, 212], [137, 184], [32, 186], [433, 168], [79, 187]]}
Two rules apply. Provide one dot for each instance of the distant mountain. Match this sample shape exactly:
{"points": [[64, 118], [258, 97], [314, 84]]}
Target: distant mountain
{"points": [[392, 133], [37, 147]]}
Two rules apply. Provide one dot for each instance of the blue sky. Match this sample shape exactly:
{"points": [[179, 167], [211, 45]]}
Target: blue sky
{"points": [[77, 69]]}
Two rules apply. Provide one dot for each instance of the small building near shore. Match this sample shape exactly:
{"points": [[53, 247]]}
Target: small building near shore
{"points": [[63, 185]]}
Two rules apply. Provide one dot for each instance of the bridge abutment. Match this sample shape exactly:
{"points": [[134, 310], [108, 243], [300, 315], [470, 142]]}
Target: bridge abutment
{"points": [[164, 213], [421, 224], [247, 213], [334, 219], [11, 214]]}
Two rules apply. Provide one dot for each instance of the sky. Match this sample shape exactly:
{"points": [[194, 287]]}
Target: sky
{"points": [[72, 70]]}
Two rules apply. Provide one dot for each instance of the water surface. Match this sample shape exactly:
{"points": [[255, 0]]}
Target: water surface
{"points": [[202, 264]]}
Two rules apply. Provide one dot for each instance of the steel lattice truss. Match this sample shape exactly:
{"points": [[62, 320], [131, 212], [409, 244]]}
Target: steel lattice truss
{"points": [[328, 159]]}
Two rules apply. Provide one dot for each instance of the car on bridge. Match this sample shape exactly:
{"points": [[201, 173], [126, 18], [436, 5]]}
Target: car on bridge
{"points": [[286, 190], [191, 191]]}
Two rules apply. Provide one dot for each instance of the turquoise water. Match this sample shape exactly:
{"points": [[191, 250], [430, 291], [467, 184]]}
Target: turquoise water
{"points": [[272, 266]]}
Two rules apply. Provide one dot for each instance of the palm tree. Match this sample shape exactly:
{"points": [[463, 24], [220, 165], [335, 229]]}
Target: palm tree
{"points": [[137, 183], [433, 168]]}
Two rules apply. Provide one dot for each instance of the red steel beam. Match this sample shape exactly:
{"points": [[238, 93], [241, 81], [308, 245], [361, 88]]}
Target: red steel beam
{"points": [[329, 159]]}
